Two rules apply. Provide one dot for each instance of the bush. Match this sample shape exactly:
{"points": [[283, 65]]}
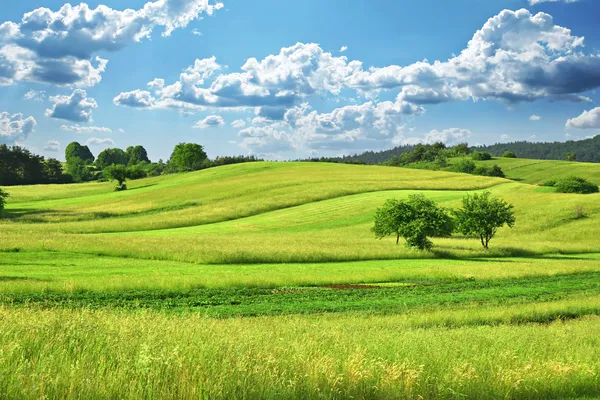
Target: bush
{"points": [[481, 171], [465, 166], [574, 184], [136, 172], [481, 156], [509, 154], [496, 171], [550, 183], [3, 197]]}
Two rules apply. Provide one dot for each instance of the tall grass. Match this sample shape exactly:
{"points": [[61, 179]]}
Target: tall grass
{"points": [[81, 354]]}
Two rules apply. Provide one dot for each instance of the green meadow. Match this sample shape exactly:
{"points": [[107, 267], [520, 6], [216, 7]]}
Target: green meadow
{"points": [[264, 280]]}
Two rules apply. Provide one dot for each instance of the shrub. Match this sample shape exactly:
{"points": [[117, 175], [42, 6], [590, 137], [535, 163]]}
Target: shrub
{"points": [[465, 166], [481, 156], [482, 171], [550, 183], [574, 184], [509, 154], [496, 171], [3, 197], [415, 219]]}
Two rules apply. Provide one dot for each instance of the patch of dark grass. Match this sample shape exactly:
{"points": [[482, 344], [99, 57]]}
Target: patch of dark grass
{"points": [[234, 302]]}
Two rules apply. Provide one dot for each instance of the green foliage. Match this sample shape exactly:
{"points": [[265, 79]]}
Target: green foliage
{"points": [[482, 215], [461, 149], [481, 156], [117, 173], [79, 170], [3, 197], [136, 155], [187, 157], [509, 154], [74, 150], [465, 166], [138, 171], [550, 183], [496, 171], [414, 219], [574, 184], [570, 157], [111, 157], [18, 166], [481, 171]]}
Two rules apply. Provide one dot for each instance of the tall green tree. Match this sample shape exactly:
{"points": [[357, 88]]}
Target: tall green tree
{"points": [[117, 173], [482, 215], [187, 157], [111, 157], [53, 170], [415, 219], [136, 155], [76, 150]]}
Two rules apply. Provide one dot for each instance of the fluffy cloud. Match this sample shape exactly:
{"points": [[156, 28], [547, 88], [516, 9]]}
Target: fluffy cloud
{"points": [[79, 129], [210, 122], [587, 120], [238, 124], [77, 107], [343, 49], [35, 95], [135, 99], [451, 136], [58, 47], [53, 146], [535, 118], [100, 141], [516, 56], [278, 81], [352, 127], [14, 128]]}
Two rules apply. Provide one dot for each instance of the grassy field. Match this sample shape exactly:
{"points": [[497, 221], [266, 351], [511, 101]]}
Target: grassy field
{"points": [[263, 280]]}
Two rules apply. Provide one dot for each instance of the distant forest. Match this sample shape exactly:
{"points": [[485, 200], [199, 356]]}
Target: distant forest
{"points": [[587, 150]]}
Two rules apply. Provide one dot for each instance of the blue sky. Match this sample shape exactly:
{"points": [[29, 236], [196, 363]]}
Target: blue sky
{"points": [[287, 80]]}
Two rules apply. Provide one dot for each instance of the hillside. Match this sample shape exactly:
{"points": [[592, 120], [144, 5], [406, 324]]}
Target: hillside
{"points": [[269, 273]]}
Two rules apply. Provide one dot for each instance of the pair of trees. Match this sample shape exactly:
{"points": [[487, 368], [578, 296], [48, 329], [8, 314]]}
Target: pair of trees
{"points": [[418, 218]]}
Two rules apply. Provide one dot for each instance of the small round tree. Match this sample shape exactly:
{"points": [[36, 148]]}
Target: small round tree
{"points": [[482, 215], [3, 197], [509, 154], [414, 219], [117, 173]]}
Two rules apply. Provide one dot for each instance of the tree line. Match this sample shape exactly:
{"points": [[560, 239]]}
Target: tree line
{"points": [[19, 166], [586, 150]]}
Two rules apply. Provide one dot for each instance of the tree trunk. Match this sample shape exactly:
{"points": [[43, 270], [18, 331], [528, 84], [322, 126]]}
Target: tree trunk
{"points": [[397, 238]]}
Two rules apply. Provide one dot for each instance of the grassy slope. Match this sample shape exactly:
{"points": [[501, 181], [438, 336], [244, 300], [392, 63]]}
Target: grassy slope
{"points": [[458, 322], [538, 171]]}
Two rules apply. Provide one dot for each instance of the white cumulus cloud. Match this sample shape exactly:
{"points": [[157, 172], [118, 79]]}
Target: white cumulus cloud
{"points": [[15, 128], [60, 47], [535, 118], [588, 120], [77, 107], [100, 142], [239, 123], [210, 122]]}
